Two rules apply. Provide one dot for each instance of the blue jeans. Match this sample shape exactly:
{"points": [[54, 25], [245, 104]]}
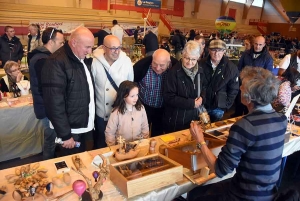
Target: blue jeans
{"points": [[99, 135], [49, 140], [215, 114]]}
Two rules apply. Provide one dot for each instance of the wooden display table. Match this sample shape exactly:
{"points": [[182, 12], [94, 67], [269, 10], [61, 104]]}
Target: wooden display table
{"points": [[110, 191]]}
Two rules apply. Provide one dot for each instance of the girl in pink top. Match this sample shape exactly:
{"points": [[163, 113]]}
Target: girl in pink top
{"points": [[128, 118]]}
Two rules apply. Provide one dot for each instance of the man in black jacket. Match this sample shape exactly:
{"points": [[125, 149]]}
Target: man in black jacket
{"points": [[221, 81], [11, 48], [178, 41], [151, 43], [68, 92], [52, 39], [101, 35], [136, 34], [150, 73]]}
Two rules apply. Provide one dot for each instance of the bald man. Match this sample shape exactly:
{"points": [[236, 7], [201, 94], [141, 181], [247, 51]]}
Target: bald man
{"points": [[150, 73], [68, 92], [257, 56], [111, 66]]}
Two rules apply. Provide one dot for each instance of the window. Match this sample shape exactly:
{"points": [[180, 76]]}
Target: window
{"points": [[257, 3], [239, 1]]}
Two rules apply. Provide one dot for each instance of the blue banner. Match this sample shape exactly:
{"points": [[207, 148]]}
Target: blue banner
{"points": [[148, 4]]}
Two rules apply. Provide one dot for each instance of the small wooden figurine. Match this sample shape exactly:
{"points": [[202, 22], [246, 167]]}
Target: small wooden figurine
{"points": [[94, 191]]}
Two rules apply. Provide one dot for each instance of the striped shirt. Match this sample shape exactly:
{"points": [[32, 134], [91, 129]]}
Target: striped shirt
{"points": [[151, 88], [254, 148]]}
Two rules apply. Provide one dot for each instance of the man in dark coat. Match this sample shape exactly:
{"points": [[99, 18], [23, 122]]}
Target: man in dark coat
{"points": [[150, 73], [11, 48], [178, 41], [151, 43], [257, 56], [220, 82], [101, 35], [68, 92], [52, 39], [136, 34]]}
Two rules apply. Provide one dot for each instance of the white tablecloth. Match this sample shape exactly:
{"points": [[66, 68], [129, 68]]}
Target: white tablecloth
{"points": [[111, 192], [21, 134]]}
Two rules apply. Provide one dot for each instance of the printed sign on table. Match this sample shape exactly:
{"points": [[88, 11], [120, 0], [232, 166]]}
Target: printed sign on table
{"points": [[148, 4]]}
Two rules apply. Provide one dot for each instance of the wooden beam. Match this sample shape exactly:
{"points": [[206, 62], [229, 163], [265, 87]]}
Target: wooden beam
{"points": [[262, 10], [224, 7], [283, 15], [197, 6], [247, 7]]}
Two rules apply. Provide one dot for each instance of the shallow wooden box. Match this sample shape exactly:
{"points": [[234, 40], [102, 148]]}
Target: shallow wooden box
{"points": [[194, 161], [131, 186]]}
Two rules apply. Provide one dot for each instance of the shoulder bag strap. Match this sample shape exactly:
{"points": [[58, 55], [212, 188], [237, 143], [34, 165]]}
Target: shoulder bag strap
{"points": [[112, 82]]}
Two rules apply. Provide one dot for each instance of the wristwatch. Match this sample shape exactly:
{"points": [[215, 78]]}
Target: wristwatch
{"points": [[199, 145]]}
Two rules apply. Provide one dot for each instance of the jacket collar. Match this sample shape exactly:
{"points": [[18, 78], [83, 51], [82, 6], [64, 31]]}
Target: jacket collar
{"points": [[71, 55], [222, 62], [4, 37], [251, 51]]}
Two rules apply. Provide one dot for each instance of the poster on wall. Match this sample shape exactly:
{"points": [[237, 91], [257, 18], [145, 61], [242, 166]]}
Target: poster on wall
{"points": [[148, 3], [66, 27]]}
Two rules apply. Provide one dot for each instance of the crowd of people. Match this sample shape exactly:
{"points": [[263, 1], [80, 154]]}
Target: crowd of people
{"points": [[93, 100]]}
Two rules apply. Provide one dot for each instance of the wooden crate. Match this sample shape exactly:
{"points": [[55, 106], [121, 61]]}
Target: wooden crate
{"points": [[194, 161], [145, 181]]}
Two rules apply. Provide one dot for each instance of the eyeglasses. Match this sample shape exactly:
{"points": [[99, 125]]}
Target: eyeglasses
{"points": [[189, 59], [113, 49], [17, 69], [54, 29], [216, 50]]}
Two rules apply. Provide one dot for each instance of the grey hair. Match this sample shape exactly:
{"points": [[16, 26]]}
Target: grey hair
{"points": [[261, 85], [8, 66], [192, 48]]}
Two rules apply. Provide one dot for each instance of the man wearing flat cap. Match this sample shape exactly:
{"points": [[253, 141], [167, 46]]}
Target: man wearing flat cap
{"points": [[220, 80]]}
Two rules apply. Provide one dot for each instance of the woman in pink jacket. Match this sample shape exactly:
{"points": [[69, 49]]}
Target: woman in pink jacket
{"points": [[128, 118]]}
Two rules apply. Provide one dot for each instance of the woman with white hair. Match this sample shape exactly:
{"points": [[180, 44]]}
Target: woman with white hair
{"points": [[182, 90]]}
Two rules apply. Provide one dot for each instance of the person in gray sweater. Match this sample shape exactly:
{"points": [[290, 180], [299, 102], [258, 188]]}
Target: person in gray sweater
{"points": [[254, 145]]}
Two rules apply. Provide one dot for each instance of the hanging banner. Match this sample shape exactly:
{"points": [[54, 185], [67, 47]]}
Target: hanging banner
{"points": [[66, 27], [148, 4]]}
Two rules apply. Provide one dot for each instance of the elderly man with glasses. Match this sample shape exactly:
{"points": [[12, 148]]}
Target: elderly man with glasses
{"points": [[110, 67], [150, 73], [220, 82]]}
